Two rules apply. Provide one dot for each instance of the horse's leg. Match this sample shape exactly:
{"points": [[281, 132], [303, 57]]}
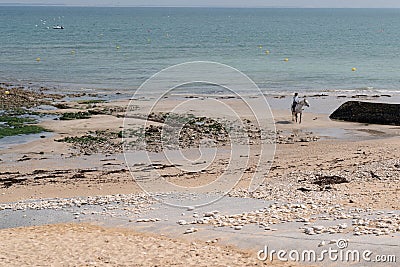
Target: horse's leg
{"points": [[300, 116], [295, 116]]}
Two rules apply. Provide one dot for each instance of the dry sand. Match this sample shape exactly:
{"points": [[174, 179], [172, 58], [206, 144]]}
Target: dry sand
{"points": [[88, 245]]}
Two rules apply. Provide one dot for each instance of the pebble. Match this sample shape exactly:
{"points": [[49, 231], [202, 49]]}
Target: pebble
{"points": [[319, 228], [182, 222], [379, 223], [286, 212], [309, 231], [190, 230], [316, 200], [303, 220]]}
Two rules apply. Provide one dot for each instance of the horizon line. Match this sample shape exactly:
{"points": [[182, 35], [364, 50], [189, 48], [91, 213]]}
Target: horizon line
{"points": [[172, 6]]}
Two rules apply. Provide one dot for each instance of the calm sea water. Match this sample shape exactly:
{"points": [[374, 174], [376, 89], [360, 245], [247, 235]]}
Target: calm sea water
{"points": [[119, 48]]}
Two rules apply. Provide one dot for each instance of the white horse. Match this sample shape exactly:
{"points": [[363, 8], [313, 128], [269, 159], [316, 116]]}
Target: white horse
{"points": [[299, 109]]}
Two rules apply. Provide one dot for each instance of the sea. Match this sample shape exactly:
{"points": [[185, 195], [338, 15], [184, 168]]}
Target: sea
{"points": [[282, 50]]}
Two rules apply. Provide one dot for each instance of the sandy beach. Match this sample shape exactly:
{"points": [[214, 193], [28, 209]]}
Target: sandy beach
{"points": [[161, 133], [88, 245], [330, 167]]}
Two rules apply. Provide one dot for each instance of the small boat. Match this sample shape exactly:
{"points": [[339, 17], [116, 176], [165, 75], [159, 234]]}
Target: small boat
{"points": [[58, 27]]}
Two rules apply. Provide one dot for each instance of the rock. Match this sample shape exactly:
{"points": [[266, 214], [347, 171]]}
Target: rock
{"points": [[303, 220], [238, 227], [367, 112], [319, 228], [321, 244], [333, 231], [324, 180], [182, 222], [190, 231], [309, 231]]}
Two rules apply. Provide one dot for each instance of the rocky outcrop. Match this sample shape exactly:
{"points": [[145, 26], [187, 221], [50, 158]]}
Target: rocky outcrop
{"points": [[367, 112]]}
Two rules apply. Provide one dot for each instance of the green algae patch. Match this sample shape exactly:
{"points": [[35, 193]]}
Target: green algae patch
{"points": [[10, 126], [75, 116]]}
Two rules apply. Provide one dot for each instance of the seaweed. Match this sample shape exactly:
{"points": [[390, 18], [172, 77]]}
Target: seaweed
{"points": [[90, 101], [11, 126], [95, 142], [75, 115]]}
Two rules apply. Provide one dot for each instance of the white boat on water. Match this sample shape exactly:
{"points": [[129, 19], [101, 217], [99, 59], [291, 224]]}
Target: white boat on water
{"points": [[58, 27]]}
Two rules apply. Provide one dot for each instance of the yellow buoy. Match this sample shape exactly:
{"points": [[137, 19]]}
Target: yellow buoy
{"points": [[118, 47], [286, 60], [353, 69], [38, 59], [7, 92], [260, 46], [267, 52], [72, 51]]}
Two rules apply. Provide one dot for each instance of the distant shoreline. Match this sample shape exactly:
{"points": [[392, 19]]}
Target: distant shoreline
{"points": [[173, 6]]}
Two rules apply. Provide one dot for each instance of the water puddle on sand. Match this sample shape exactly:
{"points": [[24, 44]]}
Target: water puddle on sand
{"points": [[350, 134], [10, 141]]}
